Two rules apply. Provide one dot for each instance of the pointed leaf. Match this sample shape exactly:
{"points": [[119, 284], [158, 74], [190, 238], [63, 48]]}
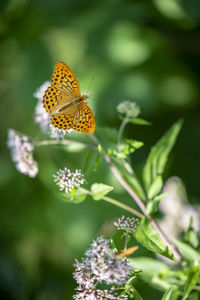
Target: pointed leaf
{"points": [[188, 253], [157, 159], [99, 190], [152, 271], [171, 293], [139, 121], [191, 281], [148, 237], [152, 205], [191, 236], [155, 187]]}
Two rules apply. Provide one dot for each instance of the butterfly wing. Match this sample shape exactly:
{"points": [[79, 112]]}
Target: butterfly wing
{"points": [[64, 87], [79, 117], [65, 80]]}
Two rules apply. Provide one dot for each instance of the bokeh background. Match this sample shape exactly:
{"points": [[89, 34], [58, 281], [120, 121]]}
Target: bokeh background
{"points": [[143, 51]]}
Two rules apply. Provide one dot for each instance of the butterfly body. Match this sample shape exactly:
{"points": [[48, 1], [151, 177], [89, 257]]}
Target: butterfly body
{"points": [[65, 104], [76, 100]]}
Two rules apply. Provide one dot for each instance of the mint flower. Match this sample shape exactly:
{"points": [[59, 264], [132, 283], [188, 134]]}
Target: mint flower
{"points": [[22, 153], [68, 180], [127, 224], [100, 265], [41, 116]]}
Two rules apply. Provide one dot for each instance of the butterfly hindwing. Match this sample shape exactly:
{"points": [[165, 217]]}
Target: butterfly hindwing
{"points": [[79, 118], [84, 119]]}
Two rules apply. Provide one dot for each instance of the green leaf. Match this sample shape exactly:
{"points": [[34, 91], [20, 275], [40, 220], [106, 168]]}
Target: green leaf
{"points": [[136, 295], [76, 196], [191, 236], [191, 281], [155, 187], [171, 293], [136, 121], [157, 159], [99, 190], [129, 146], [139, 121], [114, 152], [152, 271], [126, 172], [152, 205], [148, 237], [188, 253]]}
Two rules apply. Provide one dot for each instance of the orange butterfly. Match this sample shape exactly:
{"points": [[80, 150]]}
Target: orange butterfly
{"points": [[63, 101]]}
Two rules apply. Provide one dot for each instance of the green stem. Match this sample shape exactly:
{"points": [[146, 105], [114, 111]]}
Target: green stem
{"points": [[121, 130], [126, 240], [63, 142], [117, 203]]}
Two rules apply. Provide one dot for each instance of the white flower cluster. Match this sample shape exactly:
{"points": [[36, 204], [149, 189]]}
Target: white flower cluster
{"points": [[101, 265], [67, 180], [56, 132], [127, 224], [41, 115], [130, 109], [22, 153]]}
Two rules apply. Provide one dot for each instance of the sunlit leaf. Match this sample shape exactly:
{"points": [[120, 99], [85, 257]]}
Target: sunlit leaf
{"points": [[99, 190], [139, 121], [152, 205], [151, 270], [129, 146], [158, 156], [76, 196], [188, 253], [193, 276], [155, 187], [148, 237]]}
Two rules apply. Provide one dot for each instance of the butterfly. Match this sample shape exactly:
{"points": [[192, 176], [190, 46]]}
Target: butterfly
{"points": [[65, 104]]}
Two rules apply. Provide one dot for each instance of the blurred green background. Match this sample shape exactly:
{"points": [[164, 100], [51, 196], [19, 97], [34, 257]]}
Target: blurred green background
{"points": [[143, 51]]}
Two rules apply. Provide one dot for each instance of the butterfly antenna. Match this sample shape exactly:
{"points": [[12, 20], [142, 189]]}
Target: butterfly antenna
{"points": [[89, 86]]}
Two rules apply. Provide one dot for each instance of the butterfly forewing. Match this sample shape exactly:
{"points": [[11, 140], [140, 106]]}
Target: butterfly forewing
{"points": [[51, 99], [65, 80]]}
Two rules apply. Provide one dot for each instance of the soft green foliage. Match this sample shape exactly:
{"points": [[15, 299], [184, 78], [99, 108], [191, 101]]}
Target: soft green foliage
{"points": [[191, 236], [99, 190], [193, 277], [152, 205], [171, 293], [151, 240], [75, 196], [127, 147], [189, 254], [157, 159]]}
